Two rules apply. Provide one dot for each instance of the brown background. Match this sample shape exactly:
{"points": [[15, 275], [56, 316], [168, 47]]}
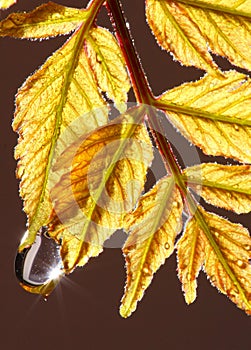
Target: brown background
{"points": [[83, 312]]}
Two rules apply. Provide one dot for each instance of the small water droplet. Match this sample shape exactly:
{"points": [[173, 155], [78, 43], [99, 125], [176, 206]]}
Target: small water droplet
{"points": [[99, 58], [236, 127], [146, 271], [167, 245], [247, 247], [241, 264], [39, 265]]}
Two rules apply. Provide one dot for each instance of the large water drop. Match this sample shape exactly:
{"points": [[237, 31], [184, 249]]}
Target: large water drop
{"points": [[39, 267]]}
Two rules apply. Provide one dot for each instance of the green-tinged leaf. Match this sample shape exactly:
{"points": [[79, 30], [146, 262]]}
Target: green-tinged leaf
{"points": [[152, 229], [191, 256], [46, 20], [224, 186], [213, 114], [224, 250], [59, 92], [109, 65], [191, 29], [227, 254], [4, 4], [103, 183]]}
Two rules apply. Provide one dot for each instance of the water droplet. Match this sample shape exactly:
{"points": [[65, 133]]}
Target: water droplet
{"points": [[241, 264], [146, 271], [247, 247], [167, 245], [236, 127], [99, 58], [39, 265]]}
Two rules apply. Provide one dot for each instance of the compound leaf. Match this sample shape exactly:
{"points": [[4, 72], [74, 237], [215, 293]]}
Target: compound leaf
{"points": [[152, 228], [105, 180], [214, 114], [190, 29], [224, 186], [46, 20]]}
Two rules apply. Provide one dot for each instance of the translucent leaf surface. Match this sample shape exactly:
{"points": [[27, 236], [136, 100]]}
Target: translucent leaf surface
{"points": [[46, 20], [190, 29], [224, 186], [191, 257], [214, 114], [152, 228], [59, 92], [4, 4], [227, 262], [224, 250], [106, 178], [109, 65]]}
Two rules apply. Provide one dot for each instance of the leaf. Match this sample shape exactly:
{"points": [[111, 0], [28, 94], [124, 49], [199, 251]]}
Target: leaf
{"points": [[104, 182], [59, 92], [224, 186], [4, 4], [109, 65], [191, 256], [224, 248], [153, 227], [190, 29], [213, 114], [46, 20]]}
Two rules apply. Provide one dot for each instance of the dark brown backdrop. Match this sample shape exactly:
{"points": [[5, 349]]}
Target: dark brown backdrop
{"points": [[83, 313]]}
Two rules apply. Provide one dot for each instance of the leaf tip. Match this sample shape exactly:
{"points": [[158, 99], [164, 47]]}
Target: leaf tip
{"points": [[125, 311], [190, 295]]}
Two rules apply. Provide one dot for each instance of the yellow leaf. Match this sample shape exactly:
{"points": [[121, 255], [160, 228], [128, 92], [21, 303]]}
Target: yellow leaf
{"points": [[4, 4], [105, 180], [224, 250], [191, 255], [109, 65], [227, 260], [153, 227], [190, 29], [213, 114], [224, 186], [62, 90], [46, 20]]}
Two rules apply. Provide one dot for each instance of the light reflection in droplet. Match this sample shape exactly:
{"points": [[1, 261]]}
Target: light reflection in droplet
{"points": [[39, 267]]}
